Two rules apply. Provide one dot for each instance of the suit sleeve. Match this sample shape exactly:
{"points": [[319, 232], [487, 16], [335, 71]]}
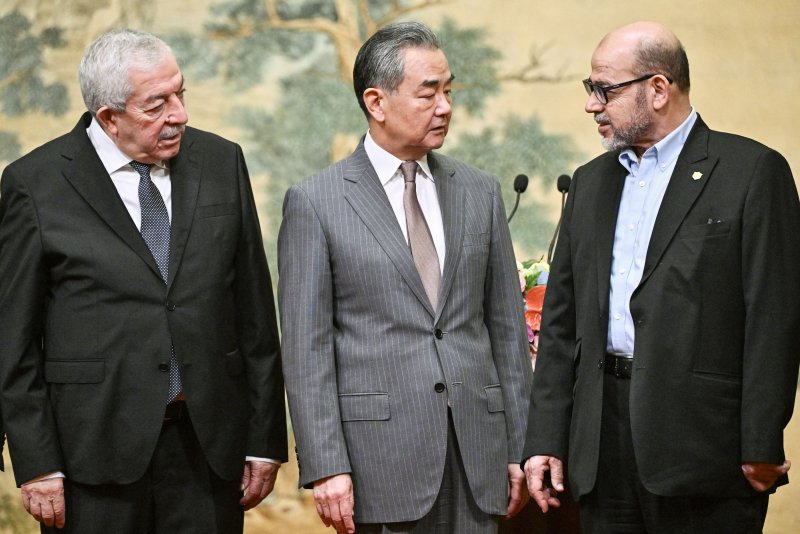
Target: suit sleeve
{"points": [[551, 396], [305, 296], [28, 418], [771, 282], [258, 333], [505, 322]]}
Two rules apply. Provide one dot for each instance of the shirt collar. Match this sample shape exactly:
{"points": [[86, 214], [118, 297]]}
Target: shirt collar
{"points": [[665, 151], [386, 165], [110, 155]]}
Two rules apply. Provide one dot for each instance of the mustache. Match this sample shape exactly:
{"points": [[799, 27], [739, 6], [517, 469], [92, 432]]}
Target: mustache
{"points": [[171, 131], [601, 118]]}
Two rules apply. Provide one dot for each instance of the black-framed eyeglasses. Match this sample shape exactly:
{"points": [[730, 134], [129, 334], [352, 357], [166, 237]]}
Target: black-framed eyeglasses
{"points": [[601, 91]]}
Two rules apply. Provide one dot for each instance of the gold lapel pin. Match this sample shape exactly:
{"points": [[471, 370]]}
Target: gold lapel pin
{"points": [[696, 175]]}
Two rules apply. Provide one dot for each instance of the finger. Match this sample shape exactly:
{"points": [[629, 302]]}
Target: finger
{"points": [[60, 510], [346, 508], [48, 515], [557, 474], [326, 514], [336, 517], [245, 477], [514, 502]]}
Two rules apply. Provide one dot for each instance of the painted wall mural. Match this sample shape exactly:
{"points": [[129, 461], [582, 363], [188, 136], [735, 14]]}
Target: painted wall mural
{"points": [[276, 76]]}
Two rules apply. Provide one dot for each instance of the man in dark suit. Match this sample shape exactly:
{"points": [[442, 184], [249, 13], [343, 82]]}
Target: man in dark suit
{"points": [[140, 364], [668, 359], [405, 356]]}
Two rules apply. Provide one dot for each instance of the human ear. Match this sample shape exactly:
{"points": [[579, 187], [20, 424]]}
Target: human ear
{"points": [[374, 100], [660, 86], [107, 119]]}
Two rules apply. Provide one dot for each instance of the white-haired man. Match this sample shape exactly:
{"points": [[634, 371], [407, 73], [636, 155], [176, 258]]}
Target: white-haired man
{"points": [[140, 364]]}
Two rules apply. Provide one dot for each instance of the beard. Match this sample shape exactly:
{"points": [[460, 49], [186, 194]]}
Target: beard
{"points": [[625, 136]]}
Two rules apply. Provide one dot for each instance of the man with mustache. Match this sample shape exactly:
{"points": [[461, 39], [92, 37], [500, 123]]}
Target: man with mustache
{"points": [[140, 373], [405, 354], [668, 357]]}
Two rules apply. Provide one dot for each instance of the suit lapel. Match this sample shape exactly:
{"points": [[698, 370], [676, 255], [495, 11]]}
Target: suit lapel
{"points": [[681, 193], [367, 197], [607, 199], [87, 175], [185, 170], [451, 201]]}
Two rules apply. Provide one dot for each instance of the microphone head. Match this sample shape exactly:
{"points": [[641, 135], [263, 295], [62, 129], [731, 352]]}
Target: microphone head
{"points": [[520, 183], [562, 184]]}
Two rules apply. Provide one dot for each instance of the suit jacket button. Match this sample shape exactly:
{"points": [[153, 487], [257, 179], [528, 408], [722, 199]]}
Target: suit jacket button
{"points": [[170, 305], [600, 364], [163, 367], [438, 333], [439, 387]]}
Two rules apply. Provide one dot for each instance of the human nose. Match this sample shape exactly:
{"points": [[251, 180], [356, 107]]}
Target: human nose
{"points": [[593, 104], [177, 111], [444, 104]]}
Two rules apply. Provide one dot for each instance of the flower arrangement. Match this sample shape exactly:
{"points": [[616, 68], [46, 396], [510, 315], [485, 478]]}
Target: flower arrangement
{"points": [[533, 276]]}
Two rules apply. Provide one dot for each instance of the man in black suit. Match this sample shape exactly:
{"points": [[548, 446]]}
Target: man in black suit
{"points": [[140, 362], [668, 360]]}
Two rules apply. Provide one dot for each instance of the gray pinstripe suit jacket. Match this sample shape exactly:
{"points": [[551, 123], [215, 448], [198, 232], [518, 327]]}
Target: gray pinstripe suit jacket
{"points": [[363, 350]]}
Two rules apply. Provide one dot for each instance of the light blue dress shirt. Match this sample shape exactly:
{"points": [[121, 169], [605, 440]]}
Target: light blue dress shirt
{"points": [[642, 194]]}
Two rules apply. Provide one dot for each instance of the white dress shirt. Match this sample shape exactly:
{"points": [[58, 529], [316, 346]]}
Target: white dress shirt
{"points": [[125, 177], [387, 167]]}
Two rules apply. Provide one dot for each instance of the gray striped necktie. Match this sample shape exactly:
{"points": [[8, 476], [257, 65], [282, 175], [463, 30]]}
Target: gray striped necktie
{"points": [[155, 230], [419, 235]]}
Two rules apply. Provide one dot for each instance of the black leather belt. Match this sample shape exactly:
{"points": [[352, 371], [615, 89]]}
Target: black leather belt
{"points": [[619, 366], [176, 410]]}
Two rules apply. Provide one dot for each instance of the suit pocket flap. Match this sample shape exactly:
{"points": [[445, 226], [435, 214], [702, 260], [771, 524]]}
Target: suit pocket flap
{"points": [[216, 210], [472, 240], [364, 406], [74, 371], [494, 398]]}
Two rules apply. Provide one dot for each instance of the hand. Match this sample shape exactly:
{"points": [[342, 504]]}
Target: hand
{"points": [[535, 471], [44, 500], [517, 494], [333, 497], [762, 476], [258, 480]]}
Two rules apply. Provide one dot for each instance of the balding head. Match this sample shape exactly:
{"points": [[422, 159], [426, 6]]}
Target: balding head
{"points": [[648, 47]]}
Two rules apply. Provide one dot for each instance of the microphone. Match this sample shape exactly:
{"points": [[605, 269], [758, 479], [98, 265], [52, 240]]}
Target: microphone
{"points": [[520, 185], [562, 184]]}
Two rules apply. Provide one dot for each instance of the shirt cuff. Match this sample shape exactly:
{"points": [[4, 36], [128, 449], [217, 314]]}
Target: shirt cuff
{"points": [[46, 476], [258, 459]]}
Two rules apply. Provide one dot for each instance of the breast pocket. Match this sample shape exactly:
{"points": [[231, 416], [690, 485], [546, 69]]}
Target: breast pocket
{"points": [[216, 210]]}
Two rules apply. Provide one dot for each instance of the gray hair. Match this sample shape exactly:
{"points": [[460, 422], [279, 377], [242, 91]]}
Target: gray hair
{"points": [[106, 64], [380, 60]]}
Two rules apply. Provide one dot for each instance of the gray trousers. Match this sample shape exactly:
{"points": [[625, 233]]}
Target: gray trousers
{"points": [[454, 511]]}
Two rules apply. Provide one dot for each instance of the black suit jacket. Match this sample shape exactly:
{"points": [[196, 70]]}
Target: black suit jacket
{"points": [[716, 321], [86, 321]]}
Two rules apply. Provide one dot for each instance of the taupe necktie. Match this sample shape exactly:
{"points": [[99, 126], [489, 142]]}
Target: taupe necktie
{"points": [[419, 235]]}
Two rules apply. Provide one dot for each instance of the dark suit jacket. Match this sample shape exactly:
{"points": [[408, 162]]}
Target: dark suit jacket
{"points": [[86, 321], [716, 321]]}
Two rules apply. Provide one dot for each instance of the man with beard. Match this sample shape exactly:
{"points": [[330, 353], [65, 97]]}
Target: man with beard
{"points": [[667, 362], [140, 373]]}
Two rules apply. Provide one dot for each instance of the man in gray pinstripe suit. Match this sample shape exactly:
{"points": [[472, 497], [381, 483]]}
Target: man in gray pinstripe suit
{"points": [[406, 361]]}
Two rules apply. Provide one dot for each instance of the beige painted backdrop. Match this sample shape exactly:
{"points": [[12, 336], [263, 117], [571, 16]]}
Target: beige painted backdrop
{"points": [[745, 63]]}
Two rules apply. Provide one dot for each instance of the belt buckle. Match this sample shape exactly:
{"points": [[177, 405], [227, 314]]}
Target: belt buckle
{"points": [[623, 367]]}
